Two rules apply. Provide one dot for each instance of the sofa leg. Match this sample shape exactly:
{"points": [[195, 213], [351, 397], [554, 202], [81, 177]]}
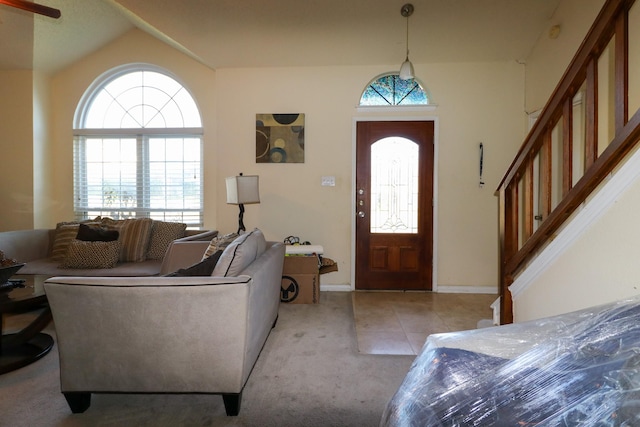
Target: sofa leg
{"points": [[78, 402], [232, 403]]}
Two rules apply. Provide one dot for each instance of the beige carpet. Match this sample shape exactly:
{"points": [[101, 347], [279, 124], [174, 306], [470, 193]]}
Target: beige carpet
{"points": [[309, 374]]}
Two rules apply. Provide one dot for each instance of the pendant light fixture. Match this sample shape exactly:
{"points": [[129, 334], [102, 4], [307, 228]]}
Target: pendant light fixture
{"points": [[406, 69]]}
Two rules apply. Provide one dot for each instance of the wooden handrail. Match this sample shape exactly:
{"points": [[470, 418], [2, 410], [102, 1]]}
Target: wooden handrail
{"points": [[518, 245]]}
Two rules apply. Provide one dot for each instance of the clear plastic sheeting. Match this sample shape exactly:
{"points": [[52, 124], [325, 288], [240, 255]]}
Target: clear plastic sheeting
{"points": [[577, 369]]}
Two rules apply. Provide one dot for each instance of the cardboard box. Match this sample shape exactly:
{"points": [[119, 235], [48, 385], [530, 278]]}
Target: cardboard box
{"points": [[300, 280]]}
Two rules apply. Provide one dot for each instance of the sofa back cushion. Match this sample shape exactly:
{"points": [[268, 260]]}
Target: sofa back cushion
{"points": [[134, 238], [162, 234], [240, 253], [66, 232]]}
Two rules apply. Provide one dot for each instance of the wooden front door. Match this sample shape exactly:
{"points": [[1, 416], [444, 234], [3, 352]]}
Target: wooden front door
{"points": [[394, 205]]}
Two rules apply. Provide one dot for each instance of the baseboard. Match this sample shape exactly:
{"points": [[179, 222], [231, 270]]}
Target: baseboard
{"points": [[441, 289], [335, 287], [450, 289]]}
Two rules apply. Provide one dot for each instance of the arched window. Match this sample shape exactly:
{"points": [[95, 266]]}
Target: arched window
{"points": [[138, 148], [390, 89]]}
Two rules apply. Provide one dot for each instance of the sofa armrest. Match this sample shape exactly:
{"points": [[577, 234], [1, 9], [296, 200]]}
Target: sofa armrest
{"points": [[192, 235], [182, 255], [186, 251], [26, 245]]}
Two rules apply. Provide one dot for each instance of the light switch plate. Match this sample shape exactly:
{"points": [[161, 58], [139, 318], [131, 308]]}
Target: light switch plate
{"points": [[328, 181]]}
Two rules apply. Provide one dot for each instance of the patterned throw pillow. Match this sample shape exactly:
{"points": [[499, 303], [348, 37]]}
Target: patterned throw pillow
{"points": [[162, 234], [65, 234], [134, 238], [85, 255], [219, 243]]}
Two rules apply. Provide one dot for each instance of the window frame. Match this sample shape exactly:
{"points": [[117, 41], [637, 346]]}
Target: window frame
{"points": [[142, 136], [396, 107]]}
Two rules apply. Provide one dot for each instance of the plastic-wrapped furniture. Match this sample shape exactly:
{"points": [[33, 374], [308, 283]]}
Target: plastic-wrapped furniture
{"points": [[581, 368], [167, 334]]}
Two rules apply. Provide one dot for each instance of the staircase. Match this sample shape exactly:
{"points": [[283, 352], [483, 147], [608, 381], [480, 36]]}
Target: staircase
{"points": [[583, 133]]}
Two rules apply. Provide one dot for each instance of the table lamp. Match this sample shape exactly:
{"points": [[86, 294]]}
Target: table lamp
{"points": [[241, 190]]}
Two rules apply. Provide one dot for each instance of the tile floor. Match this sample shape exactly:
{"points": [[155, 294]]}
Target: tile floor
{"points": [[399, 322]]}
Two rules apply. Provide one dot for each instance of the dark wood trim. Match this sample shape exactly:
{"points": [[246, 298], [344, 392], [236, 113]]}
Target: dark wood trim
{"points": [[567, 146], [591, 107], [621, 71]]}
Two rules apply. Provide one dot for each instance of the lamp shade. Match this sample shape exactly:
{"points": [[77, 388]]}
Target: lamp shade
{"points": [[243, 189], [406, 70]]}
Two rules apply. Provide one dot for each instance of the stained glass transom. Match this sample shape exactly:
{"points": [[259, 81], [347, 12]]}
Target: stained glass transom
{"points": [[390, 89], [394, 186]]}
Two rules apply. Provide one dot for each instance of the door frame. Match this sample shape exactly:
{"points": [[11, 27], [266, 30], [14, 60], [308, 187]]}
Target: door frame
{"points": [[436, 133]]}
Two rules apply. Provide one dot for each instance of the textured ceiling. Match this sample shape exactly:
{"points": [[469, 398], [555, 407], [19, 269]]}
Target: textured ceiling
{"points": [[255, 33]]}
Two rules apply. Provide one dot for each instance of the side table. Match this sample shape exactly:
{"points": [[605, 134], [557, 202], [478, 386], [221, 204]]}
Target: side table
{"points": [[30, 344]]}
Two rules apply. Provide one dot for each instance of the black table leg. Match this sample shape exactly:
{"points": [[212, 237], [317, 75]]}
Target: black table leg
{"points": [[26, 346]]}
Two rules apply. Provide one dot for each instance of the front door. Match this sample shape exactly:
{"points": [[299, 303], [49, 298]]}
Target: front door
{"points": [[394, 205]]}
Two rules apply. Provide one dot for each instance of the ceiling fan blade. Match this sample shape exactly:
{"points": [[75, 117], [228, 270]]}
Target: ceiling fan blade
{"points": [[33, 7]]}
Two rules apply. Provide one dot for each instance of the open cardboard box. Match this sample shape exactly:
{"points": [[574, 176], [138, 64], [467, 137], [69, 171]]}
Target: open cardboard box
{"points": [[300, 279]]}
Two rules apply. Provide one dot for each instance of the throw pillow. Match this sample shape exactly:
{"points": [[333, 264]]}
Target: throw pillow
{"points": [[239, 254], [96, 233], [85, 255], [162, 234], [134, 238], [203, 268], [219, 243], [65, 233]]}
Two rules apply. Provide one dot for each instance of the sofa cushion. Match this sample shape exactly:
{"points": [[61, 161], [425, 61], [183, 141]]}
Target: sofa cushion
{"points": [[219, 243], [65, 233], [162, 234], [134, 238], [261, 242], [240, 253], [203, 268], [83, 254], [96, 233]]}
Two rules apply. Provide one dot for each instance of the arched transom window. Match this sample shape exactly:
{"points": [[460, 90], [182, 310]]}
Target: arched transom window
{"points": [[138, 149], [390, 90]]}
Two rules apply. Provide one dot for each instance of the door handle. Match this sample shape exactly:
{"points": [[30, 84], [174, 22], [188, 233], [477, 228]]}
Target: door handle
{"points": [[361, 214]]}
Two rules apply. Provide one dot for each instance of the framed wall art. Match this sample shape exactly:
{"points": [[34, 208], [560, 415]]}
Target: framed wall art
{"points": [[280, 138]]}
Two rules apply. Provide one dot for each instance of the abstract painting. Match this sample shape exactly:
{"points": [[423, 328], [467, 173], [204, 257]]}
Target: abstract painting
{"points": [[280, 138]]}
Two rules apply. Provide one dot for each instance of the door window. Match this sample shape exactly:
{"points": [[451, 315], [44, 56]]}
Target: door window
{"points": [[394, 186]]}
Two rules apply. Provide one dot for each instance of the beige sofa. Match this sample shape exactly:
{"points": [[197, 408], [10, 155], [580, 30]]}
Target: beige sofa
{"points": [[35, 248], [168, 334]]}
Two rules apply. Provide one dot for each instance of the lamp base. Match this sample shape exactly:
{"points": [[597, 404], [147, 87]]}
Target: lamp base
{"points": [[241, 227]]}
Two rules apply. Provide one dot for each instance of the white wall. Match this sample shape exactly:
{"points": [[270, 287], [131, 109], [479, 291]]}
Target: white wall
{"points": [[42, 179], [482, 103], [16, 148], [550, 57]]}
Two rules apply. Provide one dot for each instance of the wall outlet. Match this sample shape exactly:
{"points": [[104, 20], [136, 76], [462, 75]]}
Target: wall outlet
{"points": [[328, 181]]}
